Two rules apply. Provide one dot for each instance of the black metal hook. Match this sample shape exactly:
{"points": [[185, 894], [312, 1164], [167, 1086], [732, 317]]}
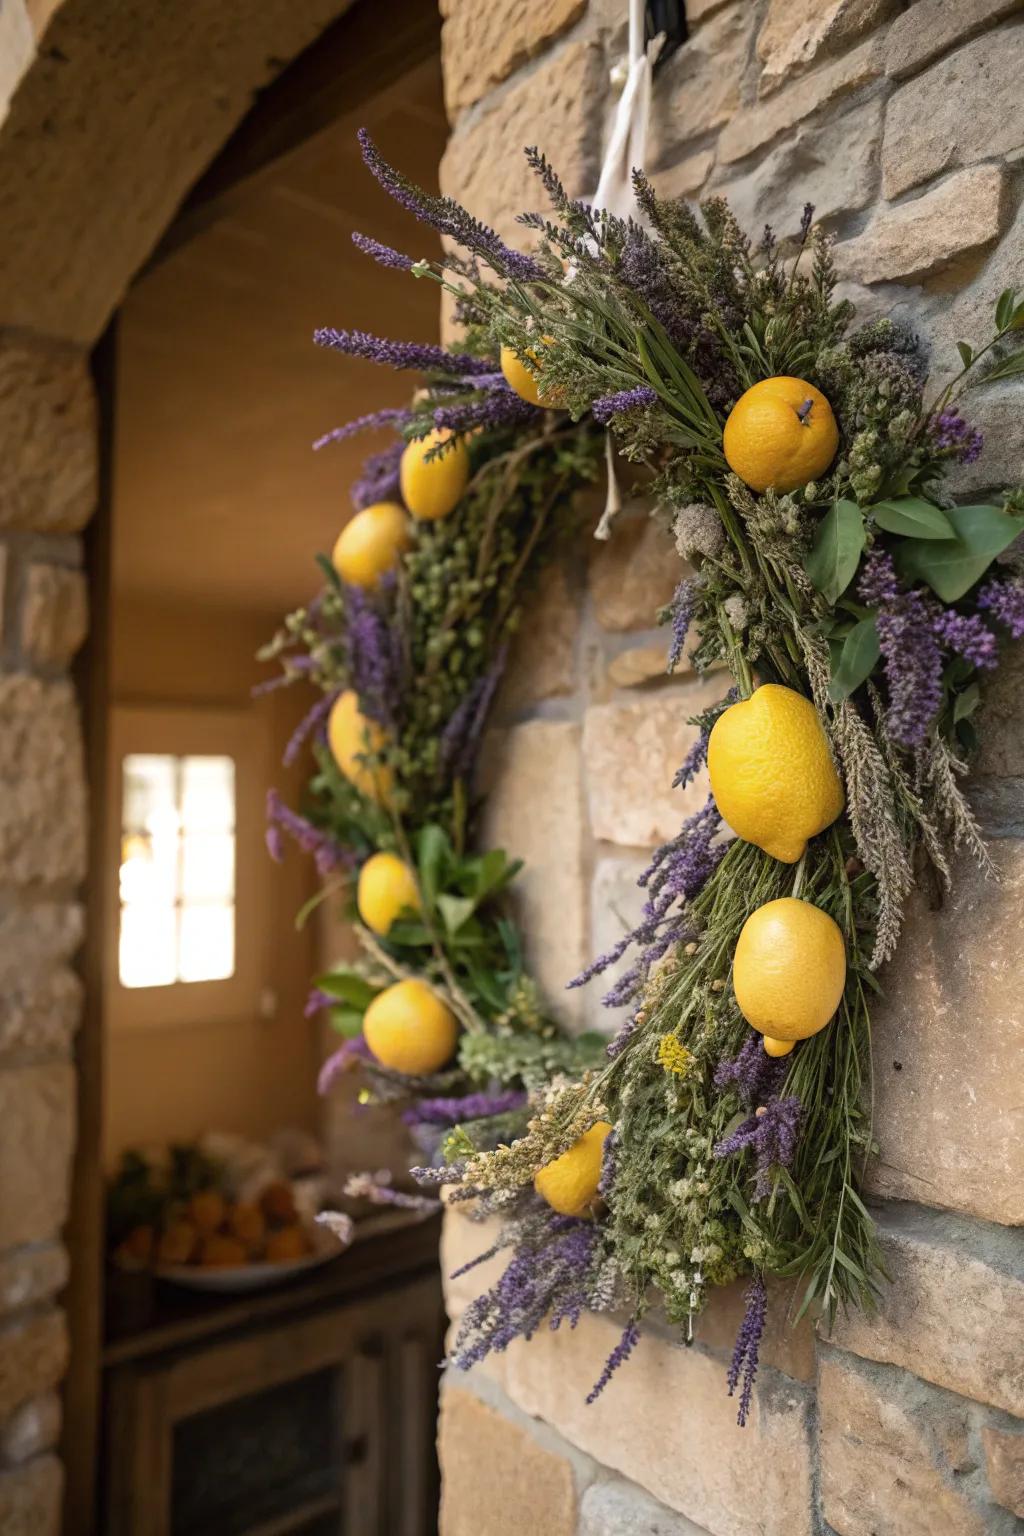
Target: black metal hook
{"points": [[669, 17]]}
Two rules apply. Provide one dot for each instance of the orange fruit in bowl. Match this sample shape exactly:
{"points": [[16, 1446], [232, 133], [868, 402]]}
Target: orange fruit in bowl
{"points": [[277, 1202], [246, 1222], [433, 488], [206, 1210], [353, 738], [286, 1245], [780, 435], [372, 543], [222, 1252]]}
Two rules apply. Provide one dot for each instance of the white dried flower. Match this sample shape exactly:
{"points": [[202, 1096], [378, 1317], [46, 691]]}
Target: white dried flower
{"points": [[698, 530], [736, 612]]}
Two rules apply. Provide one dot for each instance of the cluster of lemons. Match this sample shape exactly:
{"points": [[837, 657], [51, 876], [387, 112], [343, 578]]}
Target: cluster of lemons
{"points": [[771, 771]]}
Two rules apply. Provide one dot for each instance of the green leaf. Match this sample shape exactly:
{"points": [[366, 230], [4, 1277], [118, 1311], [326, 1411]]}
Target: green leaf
{"points": [[857, 660], [348, 987], [1007, 369], [455, 910], [434, 849], [838, 543], [346, 1021], [952, 566], [913, 518], [409, 935], [1004, 309], [966, 703], [966, 353]]}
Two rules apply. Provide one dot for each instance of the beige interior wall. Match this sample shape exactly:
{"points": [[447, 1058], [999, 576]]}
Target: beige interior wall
{"points": [[250, 1075]]}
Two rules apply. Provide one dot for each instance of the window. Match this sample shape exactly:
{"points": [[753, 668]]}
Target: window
{"points": [[177, 874], [188, 886]]}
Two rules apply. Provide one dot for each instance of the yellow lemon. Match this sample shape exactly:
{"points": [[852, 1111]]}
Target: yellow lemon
{"points": [[371, 543], [789, 971], [569, 1184], [409, 1029], [771, 772], [433, 490], [386, 887], [351, 738], [780, 434], [519, 378]]}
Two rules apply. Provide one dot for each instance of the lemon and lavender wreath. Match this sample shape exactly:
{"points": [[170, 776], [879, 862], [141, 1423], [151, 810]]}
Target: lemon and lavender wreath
{"points": [[803, 466]]}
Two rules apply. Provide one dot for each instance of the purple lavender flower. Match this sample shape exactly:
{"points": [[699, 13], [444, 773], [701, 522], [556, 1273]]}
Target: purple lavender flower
{"points": [[449, 218], [951, 434], [375, 653], [753, 1073], [1005, 601], [606, 1182], [499, 407], [317, 1000], [968, 635], [390, 416], [341, 1061], [379, 480], [697, 757], [681, 610], [314, 721], [623, 1035], [423, 356], [384, 255], [619, 1355], [328, 854], [475, 1106], [378, 1190], [910, 651], [771, 1133], [748, 1346], [878, 583], [624, 400], [461, 734]]}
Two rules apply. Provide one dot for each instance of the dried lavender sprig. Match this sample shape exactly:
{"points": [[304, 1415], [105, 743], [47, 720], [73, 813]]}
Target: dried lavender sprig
{"points": [[449, 218], [376, 656], [425, 357], [623, 400], [1005, 601], [312, 722], [461, 734], [384, 255], [372, 1187], [474, 1106], [390, 416], [497, 408], [747, 1349], [754, 1074], [348, 1054], [328, 854], [619, 1355], [771, 1133], [380, 478]]}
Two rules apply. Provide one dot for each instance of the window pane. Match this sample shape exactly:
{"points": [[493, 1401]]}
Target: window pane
{"points": [[208, 867], [147, 946], [208, 794], [206, 949], [149, 870], [149, 793]]}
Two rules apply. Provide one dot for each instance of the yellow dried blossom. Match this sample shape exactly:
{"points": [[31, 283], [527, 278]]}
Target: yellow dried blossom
{"points": [[673, 1055]]}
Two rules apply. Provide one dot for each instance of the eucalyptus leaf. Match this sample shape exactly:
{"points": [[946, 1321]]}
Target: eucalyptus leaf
{"points": [[952, 566], [835, 555], [966, 353], [1004, 309], [966, 703], [455, 910], [1007, 369], [348, 987], [914, 518], [434, 848], [857, 659]]}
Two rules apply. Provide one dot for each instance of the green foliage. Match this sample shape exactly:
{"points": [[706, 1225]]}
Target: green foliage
{"points": [[953, 566]]}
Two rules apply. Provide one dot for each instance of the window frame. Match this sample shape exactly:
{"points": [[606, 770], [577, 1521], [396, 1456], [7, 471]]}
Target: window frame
{"points": [[186, 732]]}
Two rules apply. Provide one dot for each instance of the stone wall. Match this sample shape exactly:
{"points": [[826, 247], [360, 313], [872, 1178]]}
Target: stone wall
{"points": [[904, 125]]}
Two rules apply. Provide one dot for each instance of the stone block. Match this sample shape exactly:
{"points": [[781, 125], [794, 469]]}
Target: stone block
{"points": [[932, 1259], [32, 1428], [30, 1498], [634, 573], [699, 87], [946, 1039], [462, 1241], [48, 443], [632, 749], [666, 1422], [622, 1509], [931, 27], [998, 412], [956, 220], [785, 1347], [42, 786], [30, 1275], [36, 937], [38, 1018], [535, 810], [832, 163], [482, 44], [33, 1358], [963, 109], [686, 177], [641, 664], [54, 615], [37, 1114], [615, 906], [755, 126], [792, 39], [1004, 1461], [542, 661], [496, 1479], [484, 166], [893, 1456]]}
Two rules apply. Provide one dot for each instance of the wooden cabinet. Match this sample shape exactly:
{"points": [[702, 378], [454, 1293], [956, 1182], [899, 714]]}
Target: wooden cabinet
{"points": [[310, 1409]]}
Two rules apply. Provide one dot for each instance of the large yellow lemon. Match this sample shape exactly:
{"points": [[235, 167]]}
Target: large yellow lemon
{"points": [[433, 490], [386, 887], [352, 738], [569, 1184], [780, 434], [771, 772], [788, 971], [409, 1029], [372, 543], [519, 378]]}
